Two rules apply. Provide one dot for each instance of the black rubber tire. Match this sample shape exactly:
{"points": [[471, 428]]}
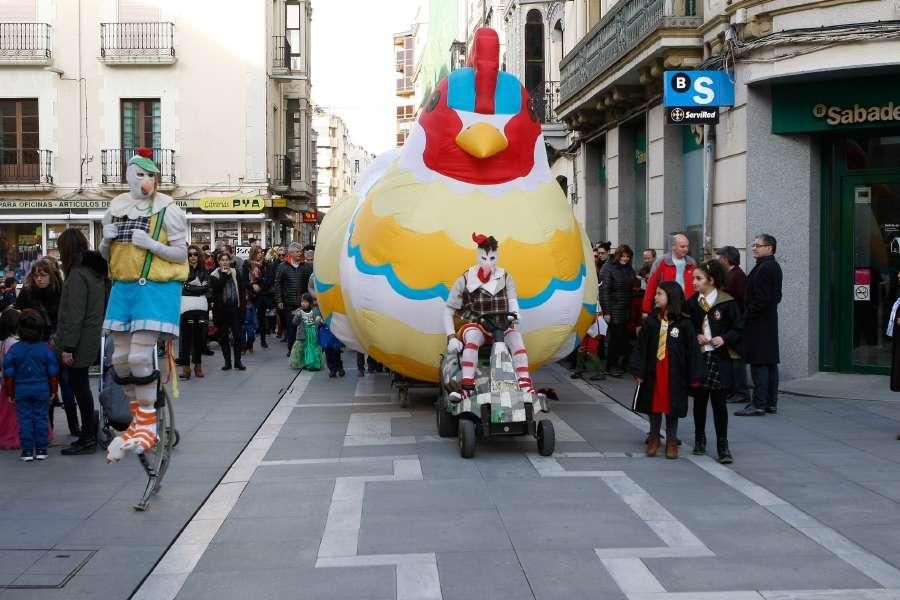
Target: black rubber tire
{"points": [[447, 424], [546, 438], [176, 435], [466, 438]]}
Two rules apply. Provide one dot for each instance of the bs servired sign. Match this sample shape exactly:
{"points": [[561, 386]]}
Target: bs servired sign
{"points": [[692, 97]]}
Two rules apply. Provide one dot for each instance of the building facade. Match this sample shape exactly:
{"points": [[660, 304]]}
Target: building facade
{"points": [[82, 85], [339, 162], [404, 64], [810, 152]]}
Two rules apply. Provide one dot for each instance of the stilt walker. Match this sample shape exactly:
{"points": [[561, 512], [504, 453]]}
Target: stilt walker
{"points": [[144, 235]]}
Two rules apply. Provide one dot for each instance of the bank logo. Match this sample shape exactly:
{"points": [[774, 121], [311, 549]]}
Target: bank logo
{"points": [[677, 115], [697, 89], [684, 115], [857, 114]]}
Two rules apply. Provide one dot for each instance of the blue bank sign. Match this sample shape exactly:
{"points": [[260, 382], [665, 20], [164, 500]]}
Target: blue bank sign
{"points": [[695, 96]]}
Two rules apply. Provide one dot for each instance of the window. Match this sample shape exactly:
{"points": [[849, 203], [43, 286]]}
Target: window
{"points": [[534, 58], [292, 32], [294, 137], [405, 113], [19, 156], [141, 125]]}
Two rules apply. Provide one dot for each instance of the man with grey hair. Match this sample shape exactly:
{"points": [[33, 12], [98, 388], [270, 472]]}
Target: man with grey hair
{"points": [[291, 281], [673, 266]]}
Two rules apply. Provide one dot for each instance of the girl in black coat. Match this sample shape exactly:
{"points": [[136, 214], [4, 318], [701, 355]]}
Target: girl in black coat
{"points": [[666, 364], [616, 283], [717, 319], [194, 315]]}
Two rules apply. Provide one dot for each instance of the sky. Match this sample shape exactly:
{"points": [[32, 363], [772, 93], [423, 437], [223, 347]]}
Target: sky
{"points": [[353, 65]]}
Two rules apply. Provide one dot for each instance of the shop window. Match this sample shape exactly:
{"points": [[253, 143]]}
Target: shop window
{"points": [[226, 232], [876, 151], [250, 230], [19, 155], [54, 230], [201, 234], [20, 246]]}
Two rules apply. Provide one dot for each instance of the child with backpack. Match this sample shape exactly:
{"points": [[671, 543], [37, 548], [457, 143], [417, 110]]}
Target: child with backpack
{"points": [[333, 348], [30, 372]]}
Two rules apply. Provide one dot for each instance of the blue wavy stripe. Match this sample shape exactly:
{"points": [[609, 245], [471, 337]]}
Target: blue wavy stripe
{"points": [[320, 287], [564, 285], [441, 291], [590, 308]]}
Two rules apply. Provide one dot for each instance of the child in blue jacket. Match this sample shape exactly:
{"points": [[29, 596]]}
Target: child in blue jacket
{"points": [[30, 373]]}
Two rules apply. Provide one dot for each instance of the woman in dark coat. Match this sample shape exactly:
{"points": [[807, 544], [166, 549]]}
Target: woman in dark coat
{"points": [[227, 288], [719, 325], [82, 306], [194, 315], [616, 283], [259, 276], [666, 371]]}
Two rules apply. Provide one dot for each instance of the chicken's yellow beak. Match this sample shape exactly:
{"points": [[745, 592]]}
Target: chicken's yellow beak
{"points": [[482, 140]]}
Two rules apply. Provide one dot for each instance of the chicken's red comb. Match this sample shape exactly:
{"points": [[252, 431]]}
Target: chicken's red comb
{"points": [[144, 152], [479, 239]]}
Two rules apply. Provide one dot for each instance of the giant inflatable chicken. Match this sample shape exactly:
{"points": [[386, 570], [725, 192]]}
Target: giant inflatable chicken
{"points": [[387, 255]]}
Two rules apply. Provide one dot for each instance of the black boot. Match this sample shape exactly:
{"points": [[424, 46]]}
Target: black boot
{"points": [[724, 453], [699, 443], [83, 445], [239, 365]]}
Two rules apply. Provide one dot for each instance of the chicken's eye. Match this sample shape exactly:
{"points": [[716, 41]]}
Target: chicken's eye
{"points": [[433, 101]]}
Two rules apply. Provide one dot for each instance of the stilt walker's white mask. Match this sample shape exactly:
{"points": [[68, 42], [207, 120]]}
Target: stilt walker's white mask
{"points": [[141, 183]]}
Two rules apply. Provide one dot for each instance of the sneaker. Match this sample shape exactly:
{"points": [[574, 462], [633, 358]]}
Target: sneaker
{"points": [[771, 410], [332, 374], [750, 411], [80, 446], [41, 454], [341, 372], [27, 455]]}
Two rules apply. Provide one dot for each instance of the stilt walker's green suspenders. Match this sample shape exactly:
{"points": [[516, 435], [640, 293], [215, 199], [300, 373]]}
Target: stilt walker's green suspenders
{"points": [[160, 218]]}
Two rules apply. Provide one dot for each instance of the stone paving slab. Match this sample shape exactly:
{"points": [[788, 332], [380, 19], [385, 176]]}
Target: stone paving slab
{"points": [[81, 503]]}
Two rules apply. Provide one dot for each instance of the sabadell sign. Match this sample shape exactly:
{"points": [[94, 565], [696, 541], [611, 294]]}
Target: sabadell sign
{"points": [[831, 105]]}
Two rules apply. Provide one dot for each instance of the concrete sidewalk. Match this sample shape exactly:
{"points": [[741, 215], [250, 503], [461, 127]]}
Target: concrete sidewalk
{"points": [[344, 494], [67, 527]]}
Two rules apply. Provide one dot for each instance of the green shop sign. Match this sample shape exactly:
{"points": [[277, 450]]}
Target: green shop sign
{"points": [[836, 104]]}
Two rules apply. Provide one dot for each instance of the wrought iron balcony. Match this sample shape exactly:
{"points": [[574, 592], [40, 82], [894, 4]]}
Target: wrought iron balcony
{"points": [[114, 163], [281, 176], [281, 56], [25, 168], [620, 31], [545, 99], [25, 44], [137, 43]]}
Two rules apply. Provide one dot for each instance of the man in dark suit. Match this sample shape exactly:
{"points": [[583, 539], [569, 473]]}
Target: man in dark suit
{"points": [[735, 286], [763, 294]]}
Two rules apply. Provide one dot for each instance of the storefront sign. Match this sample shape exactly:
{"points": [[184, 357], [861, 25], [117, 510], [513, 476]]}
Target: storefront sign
{"points": [[833, 105], [56, 204], [309, 216], [243, 203], [242, 252], [279, 203], [862, 285], [694, 97]]}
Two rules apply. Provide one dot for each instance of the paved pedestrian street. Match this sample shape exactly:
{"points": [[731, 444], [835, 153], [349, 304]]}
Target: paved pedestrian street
{"points": [[342, 493]]}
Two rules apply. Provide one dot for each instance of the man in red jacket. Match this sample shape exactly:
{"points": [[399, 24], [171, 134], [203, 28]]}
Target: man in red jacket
{"points": [[672, 266]]}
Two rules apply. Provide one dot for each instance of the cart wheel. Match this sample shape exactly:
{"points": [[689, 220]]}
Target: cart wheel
{"points": [[466, 438], [447, 424], [546, 438], [403, 395]]}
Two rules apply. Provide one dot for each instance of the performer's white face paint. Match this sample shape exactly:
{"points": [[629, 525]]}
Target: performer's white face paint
{"points": [[487, 260], [141, 183]]}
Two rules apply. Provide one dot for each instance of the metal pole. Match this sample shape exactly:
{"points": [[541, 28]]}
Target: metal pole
{"points": [[709, 168]]}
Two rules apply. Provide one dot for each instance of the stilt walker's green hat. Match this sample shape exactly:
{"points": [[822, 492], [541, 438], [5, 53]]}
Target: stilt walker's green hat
{"points": [[143, 158]]}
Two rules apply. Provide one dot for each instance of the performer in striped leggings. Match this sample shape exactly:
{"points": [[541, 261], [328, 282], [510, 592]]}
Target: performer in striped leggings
{"points": [[482, 288]]}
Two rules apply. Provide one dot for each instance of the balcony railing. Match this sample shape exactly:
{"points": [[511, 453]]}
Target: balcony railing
{"points": [[133, 43], [281, 55], [114, 163], [281, 176], [24, 43], [20, 166], [545, 99], [629, 22]]}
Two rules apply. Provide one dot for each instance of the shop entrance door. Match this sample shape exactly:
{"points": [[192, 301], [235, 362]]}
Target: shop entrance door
{"points": [[870, 263]]}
